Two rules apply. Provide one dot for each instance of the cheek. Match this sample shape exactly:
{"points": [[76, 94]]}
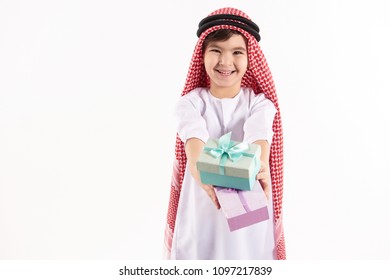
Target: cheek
{"points": [[210, 62], [244, 64], [207, 65]]}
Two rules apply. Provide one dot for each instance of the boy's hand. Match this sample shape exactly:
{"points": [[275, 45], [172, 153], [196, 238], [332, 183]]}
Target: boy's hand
{"points": [[211, 193], [194, 147], [264, 178]]}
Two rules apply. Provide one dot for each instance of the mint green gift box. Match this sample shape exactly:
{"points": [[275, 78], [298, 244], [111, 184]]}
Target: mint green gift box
{"points": [[229, 164]]}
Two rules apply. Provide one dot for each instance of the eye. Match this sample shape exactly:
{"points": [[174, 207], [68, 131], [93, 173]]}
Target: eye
{"points": [[215, 50], [238, 52]]}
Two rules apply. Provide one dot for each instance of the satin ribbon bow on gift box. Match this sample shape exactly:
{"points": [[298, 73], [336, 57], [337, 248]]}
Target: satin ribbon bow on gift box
{"points": [[227, 150]]}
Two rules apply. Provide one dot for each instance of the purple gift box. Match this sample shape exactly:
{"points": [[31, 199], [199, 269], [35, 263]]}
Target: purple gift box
{"points": [[242, 208]]}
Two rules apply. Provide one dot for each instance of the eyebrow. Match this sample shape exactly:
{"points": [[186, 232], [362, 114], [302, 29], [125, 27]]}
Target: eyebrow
{"points": [[240, 49], [214, 45]]}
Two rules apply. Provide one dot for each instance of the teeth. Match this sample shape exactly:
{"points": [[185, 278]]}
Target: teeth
{"points": [[225, 72]]}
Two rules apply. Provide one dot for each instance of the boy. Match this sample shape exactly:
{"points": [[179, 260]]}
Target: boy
{"points": [[229, 89]]}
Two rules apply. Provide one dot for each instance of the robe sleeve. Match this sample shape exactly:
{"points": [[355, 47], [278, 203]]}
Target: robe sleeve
{"points": [[258, 126], [190, 122]]}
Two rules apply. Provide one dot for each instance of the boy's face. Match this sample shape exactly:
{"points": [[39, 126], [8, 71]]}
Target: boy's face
{"points": [[226, 62]]}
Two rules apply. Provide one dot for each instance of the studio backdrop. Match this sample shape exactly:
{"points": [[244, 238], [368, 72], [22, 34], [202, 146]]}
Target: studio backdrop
{"points": [[87, 134]]}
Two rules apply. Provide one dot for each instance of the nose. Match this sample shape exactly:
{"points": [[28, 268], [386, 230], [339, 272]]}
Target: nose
{"points": [[225, 59]]}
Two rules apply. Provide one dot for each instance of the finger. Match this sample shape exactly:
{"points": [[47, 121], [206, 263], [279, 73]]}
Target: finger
{"points": [[262, 168], [216, 202], [214, 198], [266, 189], [211, 193], [261, 176]]}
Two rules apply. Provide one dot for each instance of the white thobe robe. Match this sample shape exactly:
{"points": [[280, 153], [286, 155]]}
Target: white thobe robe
{"points": [[201, 230]]}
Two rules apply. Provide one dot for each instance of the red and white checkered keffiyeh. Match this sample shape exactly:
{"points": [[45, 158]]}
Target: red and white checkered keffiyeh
{"points": [[259, 78]]}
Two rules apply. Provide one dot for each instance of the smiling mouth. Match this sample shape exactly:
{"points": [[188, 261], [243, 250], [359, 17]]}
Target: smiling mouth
{"points": [[225, 73]]}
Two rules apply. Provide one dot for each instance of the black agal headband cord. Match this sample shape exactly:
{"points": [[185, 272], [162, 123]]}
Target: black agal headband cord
{"points": [[228, 19]]}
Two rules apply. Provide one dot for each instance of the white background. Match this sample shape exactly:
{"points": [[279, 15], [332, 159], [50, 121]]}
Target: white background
{"points": [[87, 90]]}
